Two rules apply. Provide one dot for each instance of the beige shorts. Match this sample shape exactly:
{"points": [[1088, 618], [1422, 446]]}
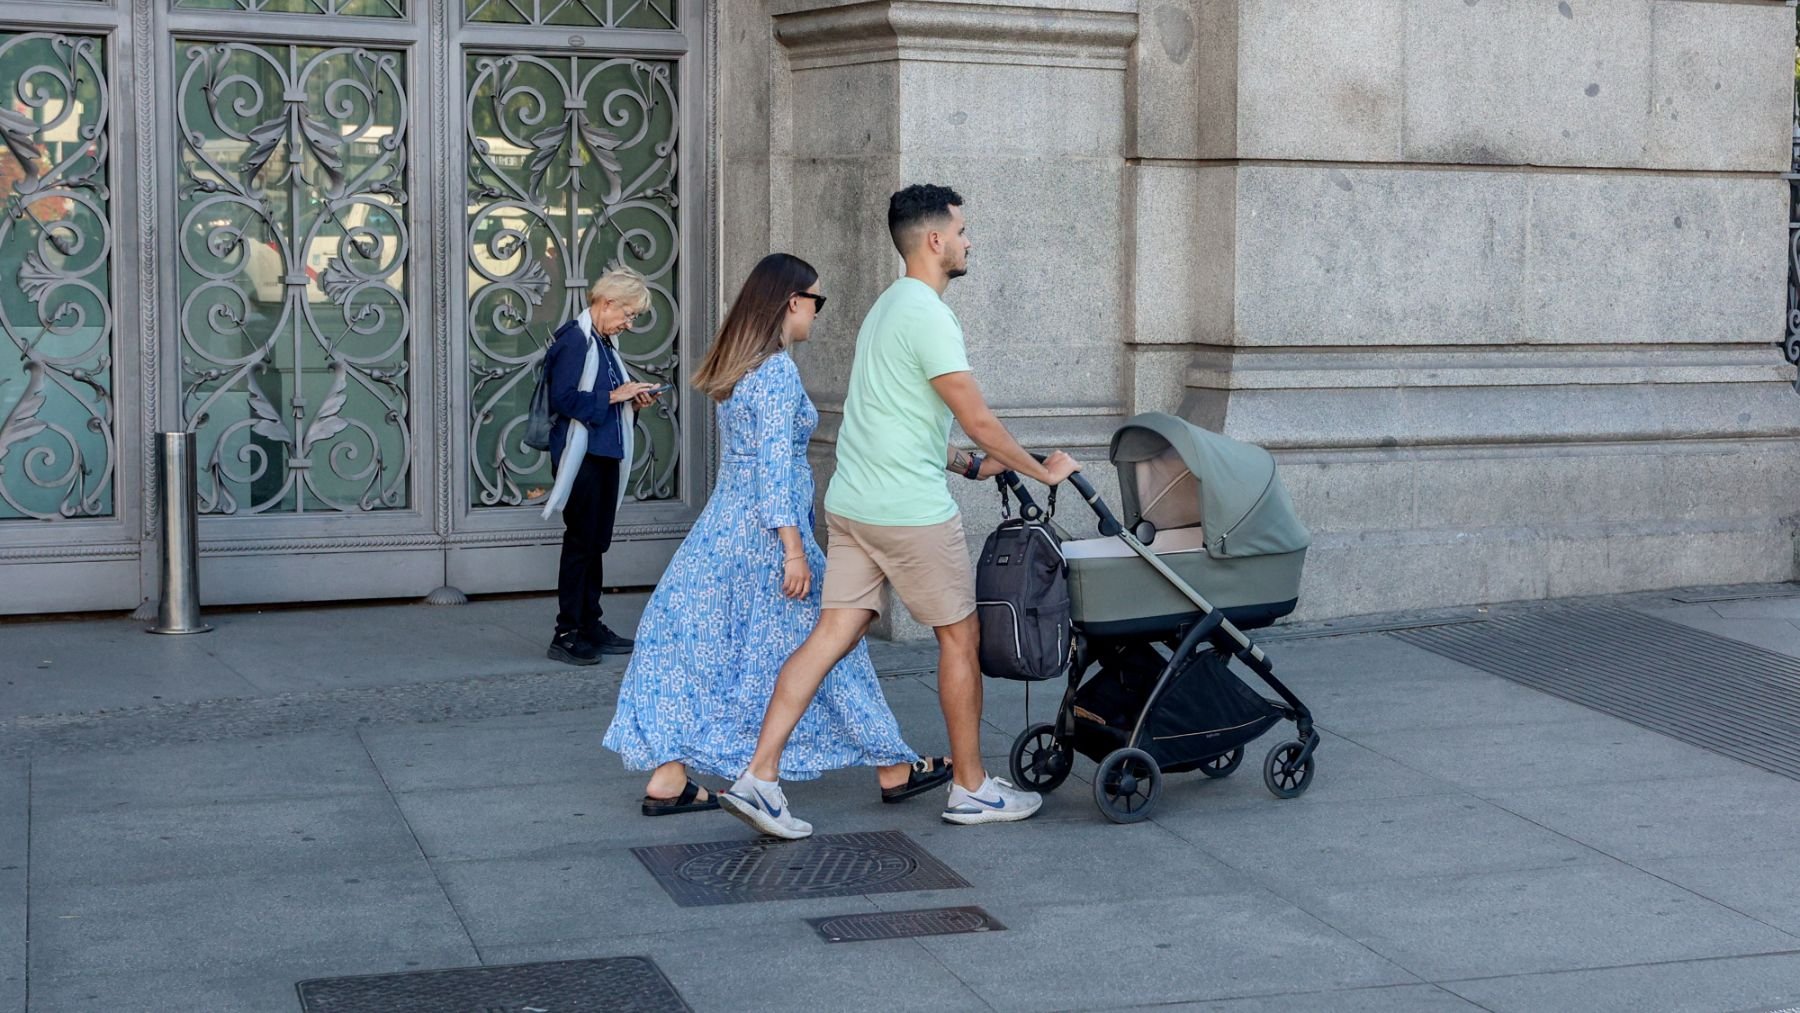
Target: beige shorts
{"points": [[928, 566]]}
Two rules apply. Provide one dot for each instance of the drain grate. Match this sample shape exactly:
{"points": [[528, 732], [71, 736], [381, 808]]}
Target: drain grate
{"points": [[613, 985], [937, 921], [829, 865], [1733, 698]]}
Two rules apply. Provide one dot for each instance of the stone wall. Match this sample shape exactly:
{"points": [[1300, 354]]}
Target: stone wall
{"points": [[1499, 280]]}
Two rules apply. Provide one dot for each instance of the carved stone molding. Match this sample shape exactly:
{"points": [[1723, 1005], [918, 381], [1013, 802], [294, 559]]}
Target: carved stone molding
{"points": [[150, 321], [1218, 368], [1040, 35], [68, 553], [443, 207]]}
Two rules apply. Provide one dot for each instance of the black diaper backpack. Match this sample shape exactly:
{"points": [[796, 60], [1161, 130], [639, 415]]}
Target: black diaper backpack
{"points": [[1022, 600]]}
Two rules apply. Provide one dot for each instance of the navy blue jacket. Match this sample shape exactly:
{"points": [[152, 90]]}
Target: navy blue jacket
{"points": [[562, 364]]}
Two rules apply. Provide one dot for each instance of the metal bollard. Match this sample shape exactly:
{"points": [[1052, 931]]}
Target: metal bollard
{"points": [[178, 607]]}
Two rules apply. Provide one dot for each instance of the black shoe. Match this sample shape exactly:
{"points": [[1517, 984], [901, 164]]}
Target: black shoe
{"points": [[605, 641], [572, 650], [926, 774]]}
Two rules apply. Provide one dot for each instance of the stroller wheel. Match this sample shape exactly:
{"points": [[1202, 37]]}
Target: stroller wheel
{"points": [[1038, 762], [1223, 764], [1283, 778], [1126, 785]]}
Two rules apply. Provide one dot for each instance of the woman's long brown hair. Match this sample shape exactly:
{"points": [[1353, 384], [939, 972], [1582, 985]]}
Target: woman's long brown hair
{"points": [[752, 328]]}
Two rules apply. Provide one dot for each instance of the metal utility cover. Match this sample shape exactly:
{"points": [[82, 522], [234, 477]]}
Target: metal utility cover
{"points": [[937, 921], [1733, 698], [612, 985], [830, 865]]}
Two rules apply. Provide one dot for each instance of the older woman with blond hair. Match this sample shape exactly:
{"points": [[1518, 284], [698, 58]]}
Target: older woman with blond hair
{"points": [[743, 590], [591, 397]]}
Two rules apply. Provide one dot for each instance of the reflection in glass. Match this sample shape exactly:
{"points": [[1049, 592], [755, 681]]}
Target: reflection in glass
{"points": [[571, 167], [57, 448], [293, 298], [648, 14]]}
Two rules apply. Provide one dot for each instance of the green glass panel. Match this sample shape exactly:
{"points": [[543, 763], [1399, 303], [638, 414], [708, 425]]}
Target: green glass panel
{"points": [[663, 15], [291, 259], [571, 168], [57, 434]]}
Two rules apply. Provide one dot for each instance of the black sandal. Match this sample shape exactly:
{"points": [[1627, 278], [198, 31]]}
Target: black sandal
{"points": [[685, 803], [926, 774]]}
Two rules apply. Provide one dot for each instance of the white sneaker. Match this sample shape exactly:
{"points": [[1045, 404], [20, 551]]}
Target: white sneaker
{"points": [[998, 801], [762, 805]]}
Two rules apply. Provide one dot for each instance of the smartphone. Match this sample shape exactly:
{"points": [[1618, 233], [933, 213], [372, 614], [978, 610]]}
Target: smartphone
{"points": [[660, 389]]}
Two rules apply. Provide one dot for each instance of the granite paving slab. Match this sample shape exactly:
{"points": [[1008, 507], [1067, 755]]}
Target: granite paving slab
{"points": [[1590, 914]]}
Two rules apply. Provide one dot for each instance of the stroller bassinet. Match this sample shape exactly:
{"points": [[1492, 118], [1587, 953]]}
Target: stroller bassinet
{"points": [[1213, 510], [1210, 547]]}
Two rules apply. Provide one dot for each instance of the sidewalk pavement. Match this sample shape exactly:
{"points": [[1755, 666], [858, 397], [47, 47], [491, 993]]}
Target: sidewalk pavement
{"points": [[199, 823]]}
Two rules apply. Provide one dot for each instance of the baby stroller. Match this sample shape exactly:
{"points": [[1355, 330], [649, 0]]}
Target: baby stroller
{"points": [[1210, 547]]}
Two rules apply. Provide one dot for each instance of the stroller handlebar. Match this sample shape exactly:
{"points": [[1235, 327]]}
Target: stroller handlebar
{"points": [[1028, 508]]}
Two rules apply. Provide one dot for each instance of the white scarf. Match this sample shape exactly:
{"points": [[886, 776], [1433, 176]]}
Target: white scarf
{"points": [[575, 447]]}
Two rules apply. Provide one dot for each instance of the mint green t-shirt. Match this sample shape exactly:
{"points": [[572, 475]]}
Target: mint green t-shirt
{"points": [[896, 432]]}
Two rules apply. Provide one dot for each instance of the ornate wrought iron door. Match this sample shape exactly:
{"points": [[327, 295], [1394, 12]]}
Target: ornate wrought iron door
{"points": [[58, 433], [332, 238], [572, 168], [291, 275]]}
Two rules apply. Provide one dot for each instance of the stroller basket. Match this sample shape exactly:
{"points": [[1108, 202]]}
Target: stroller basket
{"points": [[1204, 712]]}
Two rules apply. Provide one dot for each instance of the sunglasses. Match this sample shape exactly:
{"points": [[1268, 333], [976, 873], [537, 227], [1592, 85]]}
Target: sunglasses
{"points": [[818, 300]]}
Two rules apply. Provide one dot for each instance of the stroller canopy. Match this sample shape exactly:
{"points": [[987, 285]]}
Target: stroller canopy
{"points": [[1175, 474]]}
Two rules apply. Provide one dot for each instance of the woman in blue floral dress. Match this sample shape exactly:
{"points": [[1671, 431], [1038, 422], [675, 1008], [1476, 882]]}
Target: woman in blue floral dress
{"points": [[742, 592]]}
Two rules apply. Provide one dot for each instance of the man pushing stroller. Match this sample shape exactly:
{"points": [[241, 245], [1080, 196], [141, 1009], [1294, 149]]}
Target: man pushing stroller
{"points": [[891, 519]]}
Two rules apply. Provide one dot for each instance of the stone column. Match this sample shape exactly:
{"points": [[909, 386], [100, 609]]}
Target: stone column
{"points": [[1500, 280], [1020, 107]]}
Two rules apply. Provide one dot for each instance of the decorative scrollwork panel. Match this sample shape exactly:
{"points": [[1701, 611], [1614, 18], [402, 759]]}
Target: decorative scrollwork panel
{"points": [[345, 8], [572, 167], [58, 449], [294, 316], [647, 14]]}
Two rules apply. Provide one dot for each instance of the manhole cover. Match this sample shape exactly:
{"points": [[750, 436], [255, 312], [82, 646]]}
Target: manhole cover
{"points": [[613, 985], [829, 865], [1706, 690], [939, 921]]}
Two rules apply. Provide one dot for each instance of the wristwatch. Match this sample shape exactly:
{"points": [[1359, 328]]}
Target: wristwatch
{"points": [[974, 468]]}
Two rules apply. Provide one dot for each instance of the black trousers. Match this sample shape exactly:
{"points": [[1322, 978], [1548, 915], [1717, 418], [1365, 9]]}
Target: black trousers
{"points": [[587, 534]]}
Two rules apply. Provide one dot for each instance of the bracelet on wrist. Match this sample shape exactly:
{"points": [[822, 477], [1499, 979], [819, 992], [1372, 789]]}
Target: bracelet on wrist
{"points": [[974, 468]]}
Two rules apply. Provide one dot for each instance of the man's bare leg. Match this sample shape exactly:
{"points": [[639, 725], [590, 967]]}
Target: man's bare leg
{"points": [[959, 693], [835, 636]]}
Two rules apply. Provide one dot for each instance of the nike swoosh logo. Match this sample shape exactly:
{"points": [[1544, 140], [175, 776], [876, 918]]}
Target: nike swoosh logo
{"points": [[774, 811], [1001, 804]]}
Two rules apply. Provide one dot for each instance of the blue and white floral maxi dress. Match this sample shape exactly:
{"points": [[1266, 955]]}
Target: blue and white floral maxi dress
{"points": [[718, 628]]}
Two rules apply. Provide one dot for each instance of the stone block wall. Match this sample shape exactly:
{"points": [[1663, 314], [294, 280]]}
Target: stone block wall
{"points": [[1499, 280]]}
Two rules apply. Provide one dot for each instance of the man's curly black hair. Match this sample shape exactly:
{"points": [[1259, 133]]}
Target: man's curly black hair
{"points": [[916, 205]]}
